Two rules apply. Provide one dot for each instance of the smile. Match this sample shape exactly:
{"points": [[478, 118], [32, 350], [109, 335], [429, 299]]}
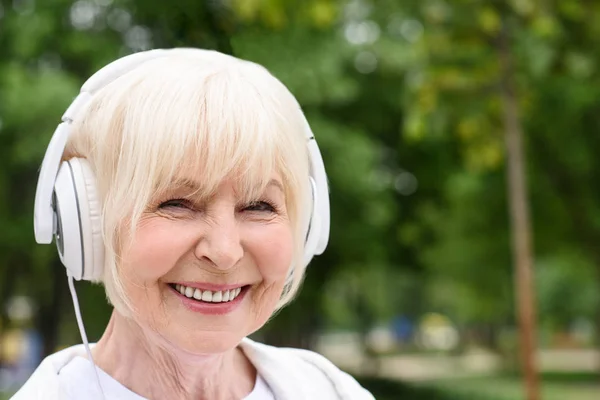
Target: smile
{"points": [[207, 296]]}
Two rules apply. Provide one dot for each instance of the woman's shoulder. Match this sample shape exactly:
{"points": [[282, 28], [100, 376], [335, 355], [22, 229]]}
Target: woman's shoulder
{"points": [[44, 383], [303, 370]]}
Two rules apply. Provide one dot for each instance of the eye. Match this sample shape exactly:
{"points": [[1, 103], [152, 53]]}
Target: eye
{"points": [[261, 206], [175, 203]]}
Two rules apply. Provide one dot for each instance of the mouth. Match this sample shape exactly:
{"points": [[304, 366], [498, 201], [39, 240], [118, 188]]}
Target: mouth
{"points": [[209, 296]]}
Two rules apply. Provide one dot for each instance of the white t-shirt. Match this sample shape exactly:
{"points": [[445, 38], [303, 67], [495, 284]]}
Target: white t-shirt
{"points": [[77, 379], [290, 374]]}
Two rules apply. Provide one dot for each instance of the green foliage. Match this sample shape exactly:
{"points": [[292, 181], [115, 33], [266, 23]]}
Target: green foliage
{"points": [[471, 261], [567, 289]]}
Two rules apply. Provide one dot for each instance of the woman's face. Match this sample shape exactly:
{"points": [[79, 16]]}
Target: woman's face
{"points": [[203, 275]]}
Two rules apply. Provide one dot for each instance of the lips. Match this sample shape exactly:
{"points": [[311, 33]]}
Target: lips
{"points": [[230, 299]]}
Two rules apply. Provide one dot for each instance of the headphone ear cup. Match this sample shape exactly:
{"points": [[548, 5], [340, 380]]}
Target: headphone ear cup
{"points": [[89, 212], [67, 224], [314, 228]]}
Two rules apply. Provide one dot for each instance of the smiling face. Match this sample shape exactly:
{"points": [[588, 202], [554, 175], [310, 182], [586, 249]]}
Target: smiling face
{"points": [[208, 247], [202, 175]]}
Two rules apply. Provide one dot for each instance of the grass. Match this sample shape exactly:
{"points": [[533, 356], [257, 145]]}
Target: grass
{"points": [[383, 389], [554, 387]]}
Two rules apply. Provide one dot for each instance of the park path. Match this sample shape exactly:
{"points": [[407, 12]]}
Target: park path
{"points": [[345, 352]]}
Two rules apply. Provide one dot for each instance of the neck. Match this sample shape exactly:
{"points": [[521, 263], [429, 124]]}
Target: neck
{"points": [[152, 368]]}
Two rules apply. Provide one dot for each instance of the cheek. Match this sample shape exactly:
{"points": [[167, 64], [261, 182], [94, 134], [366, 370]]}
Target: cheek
{"points": [[157, 247], [272, 252], [271, 247]]}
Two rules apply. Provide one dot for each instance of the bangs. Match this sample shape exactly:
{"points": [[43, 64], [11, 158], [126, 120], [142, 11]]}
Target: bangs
{"points": [[230, 133]]}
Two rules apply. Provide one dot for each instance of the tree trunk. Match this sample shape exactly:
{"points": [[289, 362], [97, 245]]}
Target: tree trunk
{"points": [[519, 218]]}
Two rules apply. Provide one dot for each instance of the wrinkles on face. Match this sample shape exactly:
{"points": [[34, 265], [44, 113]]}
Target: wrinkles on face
{"points": [[216, 240]]}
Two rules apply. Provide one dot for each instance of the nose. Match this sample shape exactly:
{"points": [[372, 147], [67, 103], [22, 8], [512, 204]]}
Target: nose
{"points": [[221, 244]]}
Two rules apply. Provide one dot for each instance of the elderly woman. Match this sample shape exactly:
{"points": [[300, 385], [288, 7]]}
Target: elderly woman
{"points": [[188, 183]]}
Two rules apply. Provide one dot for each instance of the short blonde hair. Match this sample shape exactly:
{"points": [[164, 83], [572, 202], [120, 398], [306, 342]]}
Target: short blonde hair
{"points": [[207, 112]]}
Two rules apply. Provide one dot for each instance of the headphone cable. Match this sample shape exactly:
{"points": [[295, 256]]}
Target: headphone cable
{"points": [[83, 334]]}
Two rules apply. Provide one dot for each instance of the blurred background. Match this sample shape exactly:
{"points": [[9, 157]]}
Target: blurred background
{"points": [[411, 103]]}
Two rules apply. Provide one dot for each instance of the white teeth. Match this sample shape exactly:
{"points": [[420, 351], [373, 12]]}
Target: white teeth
{"points": [[217, 297], [207, 295], [198, 294]]}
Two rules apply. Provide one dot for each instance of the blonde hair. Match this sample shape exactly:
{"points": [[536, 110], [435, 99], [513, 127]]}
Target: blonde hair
{"points": [[207, 112]]}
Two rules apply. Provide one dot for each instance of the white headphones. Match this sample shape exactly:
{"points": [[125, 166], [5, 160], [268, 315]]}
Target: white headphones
{"points": [[66, 202]]}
